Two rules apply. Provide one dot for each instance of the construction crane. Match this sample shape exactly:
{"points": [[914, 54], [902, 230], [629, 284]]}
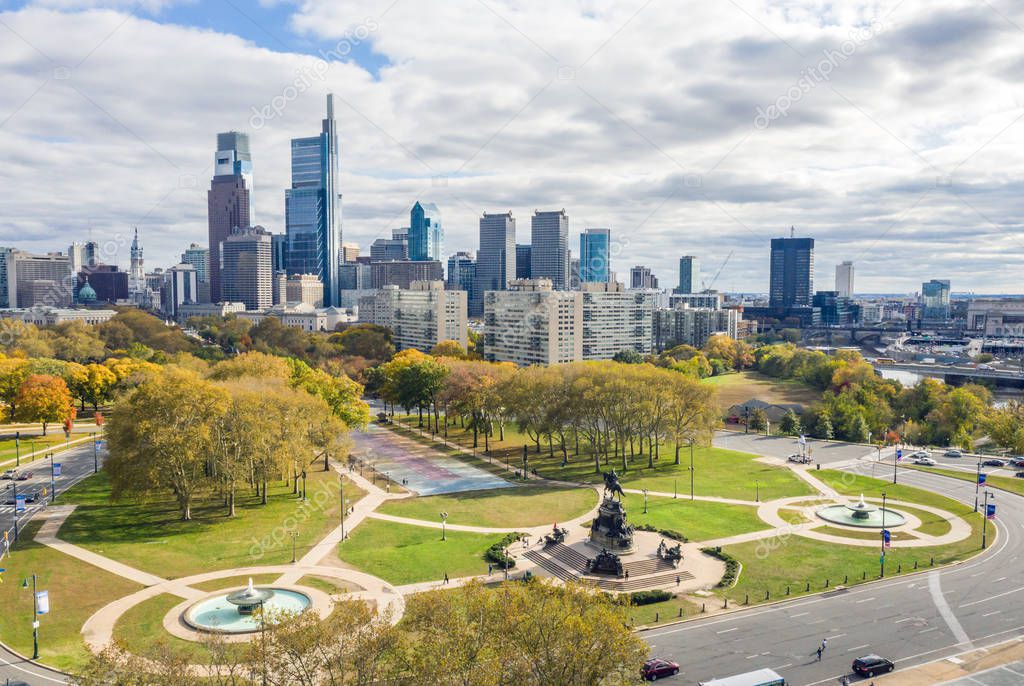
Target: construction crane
{"points": [[707, 285]]}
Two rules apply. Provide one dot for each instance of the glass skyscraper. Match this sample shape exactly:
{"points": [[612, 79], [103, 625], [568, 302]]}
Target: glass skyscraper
{"points": [[426, 235], [595, 246], [792, 272], [496, 258], [689, 274], [549, 248], [313, 207]]}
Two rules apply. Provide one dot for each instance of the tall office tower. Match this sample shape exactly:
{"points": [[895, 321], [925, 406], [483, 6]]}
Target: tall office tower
{"points": [[935, 299], [199, 258], [844, 279], [549, 248], [523, 259], [394, 248], [137, 272], [792, 272], [426, 235], [39, 279], [462, 273], [574, 273], [279, 252], [181, 286], [496, 260], [349, 252], [689, 274], [642, 277], [229, 200], [312, 207], [5, 289], [246, 268], [83, 256], [595, 250]]}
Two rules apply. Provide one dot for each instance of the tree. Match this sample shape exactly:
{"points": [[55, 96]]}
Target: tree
{"points": [[45, 399], [160, 437], [77, 342], [92, 384], [13, 372], [758, 420], [450, 349], [1005, 425], [254, 364], [790, 424], [342, 394], [365, 340], [628, 356], [858, 430]]}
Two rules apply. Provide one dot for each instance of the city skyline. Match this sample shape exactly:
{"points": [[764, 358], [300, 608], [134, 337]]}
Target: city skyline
{"points": [[944, 176]]}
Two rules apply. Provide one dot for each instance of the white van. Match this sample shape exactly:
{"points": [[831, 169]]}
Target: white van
{"points": [[760, 677]]}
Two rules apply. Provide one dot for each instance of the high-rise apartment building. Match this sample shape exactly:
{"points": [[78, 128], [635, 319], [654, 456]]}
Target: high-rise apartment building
{"points": [[496, 260], [421, 316], [532, 324], [39, 280], [5, 287], [792, 272], [642, 277], [689, 274], [616, 319], [549, 248], [229, 200], [246, 268], [199, 258], [692, 326], [595, 255], [313, 207], [935, 299], [426, 234], [844, 279], [523, 259]]}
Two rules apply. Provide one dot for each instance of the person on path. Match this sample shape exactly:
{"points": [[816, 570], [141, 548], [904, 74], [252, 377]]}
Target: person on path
{"points": [[824, 644], [627, 575], [490, 568], [819, 653], [678, 580], [446, 581]]}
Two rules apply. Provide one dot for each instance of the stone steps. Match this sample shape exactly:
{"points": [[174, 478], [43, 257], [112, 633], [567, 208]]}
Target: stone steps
{"points": [[569, 557], [651, 566], [549, 565], [640, 583]]}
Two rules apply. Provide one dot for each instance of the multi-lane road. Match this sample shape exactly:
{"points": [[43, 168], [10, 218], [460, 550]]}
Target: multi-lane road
{"points": [[910, 620], [76, 464]]}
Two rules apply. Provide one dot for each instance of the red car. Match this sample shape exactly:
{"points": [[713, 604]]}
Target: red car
{"points": [[656, 667]]}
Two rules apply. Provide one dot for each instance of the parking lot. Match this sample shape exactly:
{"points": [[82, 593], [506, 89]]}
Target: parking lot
{"points": [[822, 452]]}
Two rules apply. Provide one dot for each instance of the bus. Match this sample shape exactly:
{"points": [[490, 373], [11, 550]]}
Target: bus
{"points": [[760, 677], [885, 360]]}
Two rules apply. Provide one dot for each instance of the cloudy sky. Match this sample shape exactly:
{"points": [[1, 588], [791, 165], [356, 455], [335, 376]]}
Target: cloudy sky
{"points": [[889, 131]]}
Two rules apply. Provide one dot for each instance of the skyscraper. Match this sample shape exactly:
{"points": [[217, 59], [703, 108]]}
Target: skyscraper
{"points": [[549, 248], [523, 260], [462, 273], [426, 235], [844, 279], [496, 258], [246, 268], [229, 200], [935, 299], [689, 274], [394, 248], [792, 272], [313, 207], [642, 277], [198, 257], [595, 247]]}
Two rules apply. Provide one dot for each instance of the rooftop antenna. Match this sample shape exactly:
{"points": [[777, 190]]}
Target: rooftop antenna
{"points": [[792, 232]]}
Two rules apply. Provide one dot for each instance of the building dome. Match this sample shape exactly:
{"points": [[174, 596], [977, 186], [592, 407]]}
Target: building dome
{"points": [[86, 294]]}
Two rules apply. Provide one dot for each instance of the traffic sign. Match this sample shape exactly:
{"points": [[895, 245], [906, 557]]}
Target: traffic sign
{"points": [[982, 478]]}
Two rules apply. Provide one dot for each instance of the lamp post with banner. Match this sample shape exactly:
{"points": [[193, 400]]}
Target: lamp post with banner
{"points": [[990, 513]]}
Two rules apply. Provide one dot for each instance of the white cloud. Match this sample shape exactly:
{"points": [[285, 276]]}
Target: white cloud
{"points": [[638, 116]]}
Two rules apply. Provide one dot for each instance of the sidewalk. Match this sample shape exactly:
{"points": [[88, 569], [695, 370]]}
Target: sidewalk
{"points": [[995, 666]]}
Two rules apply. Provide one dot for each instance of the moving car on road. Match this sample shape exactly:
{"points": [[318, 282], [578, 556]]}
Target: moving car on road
{"points": [[760, 677], [925, 460], [23, 476], [870, 665], [920, 453], [9, 474], [993, 463], [953, 452], [656, 668]]}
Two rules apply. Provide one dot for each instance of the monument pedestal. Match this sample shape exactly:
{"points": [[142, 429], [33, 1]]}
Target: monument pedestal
{"points": [[609, 530]]}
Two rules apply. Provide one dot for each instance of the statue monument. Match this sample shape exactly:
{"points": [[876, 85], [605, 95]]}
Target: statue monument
{"points": [[609, 531]]}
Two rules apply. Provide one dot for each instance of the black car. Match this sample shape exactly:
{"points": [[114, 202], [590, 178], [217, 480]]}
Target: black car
{"points": [[993, 463], [870, 665]]}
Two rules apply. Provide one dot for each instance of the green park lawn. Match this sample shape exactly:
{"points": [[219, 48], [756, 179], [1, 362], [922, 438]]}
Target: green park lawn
{"points": [[150, 535], [28, 444], [406, 554], [234, 582], [740, 387], [76, 591], [663, 612], [1006, 483], [697, 520], [524, 506], [717, 472], [140, 630], [772, 564]]}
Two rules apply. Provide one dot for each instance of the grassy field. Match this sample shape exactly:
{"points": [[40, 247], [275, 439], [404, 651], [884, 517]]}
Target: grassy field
{"points": [[665, 611], [149, 535], [405, 554], [9, 452], [320, 583], [719, 472], [76, 591], [742, 386], [793, 516], [865, 535], [1006, 483], [234, 582], [501, 507], [697, 520], [772, 564]]}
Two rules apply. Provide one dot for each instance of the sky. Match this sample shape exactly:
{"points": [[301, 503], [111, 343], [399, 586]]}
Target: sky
{"points": [[889, 131]]}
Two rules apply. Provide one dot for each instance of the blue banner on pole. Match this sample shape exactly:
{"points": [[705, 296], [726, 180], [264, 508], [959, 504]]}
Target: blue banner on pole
{"points": [[982, 478], [19, 503], [56, 468], [990, 511], [42, 602], [899, 454], [886, 537]]}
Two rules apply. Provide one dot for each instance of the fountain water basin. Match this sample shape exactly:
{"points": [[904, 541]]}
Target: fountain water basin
{"points": [[861, 514], [239, 612]]}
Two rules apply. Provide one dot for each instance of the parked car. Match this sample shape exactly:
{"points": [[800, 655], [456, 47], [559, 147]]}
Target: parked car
{"points": [[870, 665], [9, 474], [799, 459], [953, 452], [993, 463], [23, 476], [656, 667], [1019, 475], [1017, 462], [925, 460]]}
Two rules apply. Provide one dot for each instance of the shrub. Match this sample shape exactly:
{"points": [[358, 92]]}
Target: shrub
{"points": [[732, 566], [496, 553], [667, 533], [649, 597]]}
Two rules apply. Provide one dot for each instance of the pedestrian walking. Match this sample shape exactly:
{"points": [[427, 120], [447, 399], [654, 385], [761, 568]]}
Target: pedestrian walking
{"points": [[678, 580], [819, 653], [490, 568], [446, 581], [824, 644], [627, 575]]}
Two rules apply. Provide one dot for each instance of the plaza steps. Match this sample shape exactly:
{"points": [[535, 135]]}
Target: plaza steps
{"points": [[641, 583], [550, 566], [651, 566], [572, 559]]}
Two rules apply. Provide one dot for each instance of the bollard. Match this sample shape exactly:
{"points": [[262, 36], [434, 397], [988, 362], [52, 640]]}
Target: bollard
{"points": [[767, 595], [846, 579], [746, 599], [863, 576], [657, 616], [806, 590], [680, 612], [899, 568], [933, 562], [826, 583], [726, 606], [703, 608], [915, 564], [787, 590]]}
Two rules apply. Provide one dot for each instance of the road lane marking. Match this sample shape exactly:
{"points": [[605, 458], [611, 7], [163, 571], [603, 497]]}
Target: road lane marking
{"points": [[924, 631], [725, 631], [866, 600], [829, 638], [850, 650], [799, 614], [991, 597], [935, 587], [989, 614], [1002, 578], [905, 619]]}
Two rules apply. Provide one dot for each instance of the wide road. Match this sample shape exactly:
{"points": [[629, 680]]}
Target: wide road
{"points": [[76, 464], [909, 620]]}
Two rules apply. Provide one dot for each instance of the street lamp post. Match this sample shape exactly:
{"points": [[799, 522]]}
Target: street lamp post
{"points": [[645, 501], [977, 485], [881, 558], [506, 563], [691, 470], [15, 484], [53, 481], [95, 455], [35, 617], [444, 518], [295, 537], [303, 485], [984, 522], [757, 491], [17, 448]]}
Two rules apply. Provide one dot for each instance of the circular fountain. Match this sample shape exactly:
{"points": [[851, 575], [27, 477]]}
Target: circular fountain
{"points": [[861, 514], [240, 611]]}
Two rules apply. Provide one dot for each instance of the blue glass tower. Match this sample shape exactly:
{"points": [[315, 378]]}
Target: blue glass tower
{"points": [[312, 208], [595, 246], [426, 235]]}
